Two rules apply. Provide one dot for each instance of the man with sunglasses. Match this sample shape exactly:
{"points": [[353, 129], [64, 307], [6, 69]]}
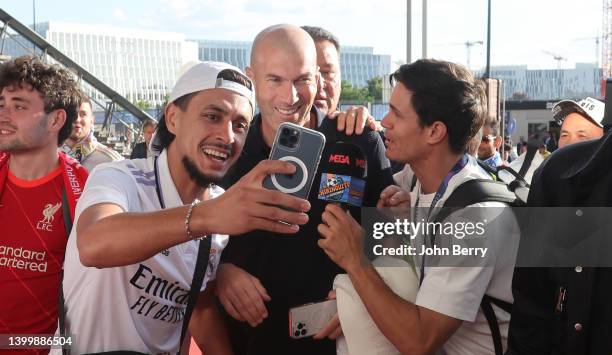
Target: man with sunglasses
{"points": [[488, 151]]}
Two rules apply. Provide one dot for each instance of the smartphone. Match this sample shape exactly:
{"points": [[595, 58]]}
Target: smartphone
{"points": [[301, 147], [308, 319]]}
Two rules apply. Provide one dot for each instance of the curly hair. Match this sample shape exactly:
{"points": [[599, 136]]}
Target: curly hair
{"points": [[56, 86]]}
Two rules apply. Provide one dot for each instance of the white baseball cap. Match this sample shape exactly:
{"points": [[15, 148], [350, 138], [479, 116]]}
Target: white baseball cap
{"points": [[589, 107], [197, 76]]}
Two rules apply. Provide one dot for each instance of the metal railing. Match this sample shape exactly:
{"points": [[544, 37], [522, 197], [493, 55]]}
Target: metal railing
{"points": [[42, 48]]}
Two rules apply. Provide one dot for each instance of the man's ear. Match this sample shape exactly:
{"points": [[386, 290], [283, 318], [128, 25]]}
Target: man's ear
{"points": [[437, 132], [58, 118], [498, 142], [249, 73], [170, 116]]}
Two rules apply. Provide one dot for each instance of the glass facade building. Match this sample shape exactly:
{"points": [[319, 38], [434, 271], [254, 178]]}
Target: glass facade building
{"points": [[357, 64], [141, 65], [549, 84]]}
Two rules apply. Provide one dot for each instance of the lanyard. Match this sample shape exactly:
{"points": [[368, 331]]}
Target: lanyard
{"points": [[459, 165], [201, 267], [157, 187]]}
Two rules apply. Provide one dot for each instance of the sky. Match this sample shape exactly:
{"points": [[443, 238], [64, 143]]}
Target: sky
{"points": [[524, 32]]}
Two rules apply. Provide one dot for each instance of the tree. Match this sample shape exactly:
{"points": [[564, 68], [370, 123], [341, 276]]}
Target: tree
{"points": [[143, 105], [375, 88], [354, 94]]}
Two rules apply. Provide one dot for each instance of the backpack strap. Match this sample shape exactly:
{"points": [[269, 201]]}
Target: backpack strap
{"points": [[531, 151], [476, 191], [489, 313], [469, 193], [66, 212]]}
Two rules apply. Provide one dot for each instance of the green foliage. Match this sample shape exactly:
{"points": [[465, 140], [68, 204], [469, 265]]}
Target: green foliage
{"points": [[375, 88], [354, 94], [143, 105], [370, 93]]}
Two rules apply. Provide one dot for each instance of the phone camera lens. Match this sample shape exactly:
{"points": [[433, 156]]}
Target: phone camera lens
{"points": [[300, 325], [293, 139], [286, 131], [303, 331], [283, 141], [297, 333]]}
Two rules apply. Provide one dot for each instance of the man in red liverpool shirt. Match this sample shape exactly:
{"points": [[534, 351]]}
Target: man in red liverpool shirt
{"points": [[38, 103]]}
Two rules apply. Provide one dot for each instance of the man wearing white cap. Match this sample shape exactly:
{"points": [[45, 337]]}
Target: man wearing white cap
{"points": [[146, 228], [580, 120]]}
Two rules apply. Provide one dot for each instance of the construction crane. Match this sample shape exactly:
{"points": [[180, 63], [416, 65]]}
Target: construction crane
{"points": [[558, 57], [468, 46], [597, 41]]}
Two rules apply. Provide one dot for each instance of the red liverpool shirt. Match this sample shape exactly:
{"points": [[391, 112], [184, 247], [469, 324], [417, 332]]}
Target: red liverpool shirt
{"points": [[32, 246]]}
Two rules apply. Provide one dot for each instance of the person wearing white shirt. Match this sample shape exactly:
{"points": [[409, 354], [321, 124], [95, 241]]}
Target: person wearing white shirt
{"points": [[139, 224], [436, 107]]}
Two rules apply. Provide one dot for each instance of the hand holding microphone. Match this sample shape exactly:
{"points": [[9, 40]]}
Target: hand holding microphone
{"points": [[343, 184]]}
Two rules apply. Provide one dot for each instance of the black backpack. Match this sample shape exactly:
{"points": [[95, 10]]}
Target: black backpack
{"points": [[519, 177], [486, 190], [469, 193]]}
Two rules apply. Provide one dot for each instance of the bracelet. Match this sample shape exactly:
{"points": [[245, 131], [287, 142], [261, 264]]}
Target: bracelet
{"points": [[188, 218]]}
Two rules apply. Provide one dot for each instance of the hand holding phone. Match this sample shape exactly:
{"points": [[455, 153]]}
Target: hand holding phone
{"points": [[301, 147]]}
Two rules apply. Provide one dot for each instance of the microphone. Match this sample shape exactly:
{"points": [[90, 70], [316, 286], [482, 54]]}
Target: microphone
{"points": [[343, 175]]}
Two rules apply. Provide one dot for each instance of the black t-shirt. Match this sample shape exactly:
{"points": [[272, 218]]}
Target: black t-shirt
{"points": [[293, 268]]}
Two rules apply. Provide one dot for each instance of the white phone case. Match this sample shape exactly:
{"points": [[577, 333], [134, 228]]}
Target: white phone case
{"points": [[308, 319]]}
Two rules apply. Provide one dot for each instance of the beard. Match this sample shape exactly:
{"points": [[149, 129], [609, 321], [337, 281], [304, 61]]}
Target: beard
{"points": [[196, 175]]}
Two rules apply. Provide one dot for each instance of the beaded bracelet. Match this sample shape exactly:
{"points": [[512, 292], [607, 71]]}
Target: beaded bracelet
{"points": [[188, 218]]}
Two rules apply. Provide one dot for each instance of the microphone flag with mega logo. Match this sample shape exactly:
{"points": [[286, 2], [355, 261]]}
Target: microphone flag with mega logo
{"points": [[343, 175]]}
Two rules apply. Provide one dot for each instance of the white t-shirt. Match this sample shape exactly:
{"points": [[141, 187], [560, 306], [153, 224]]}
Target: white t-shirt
{"points": [[404, 177], [518, 163], [138, 307], [457, 291]]}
